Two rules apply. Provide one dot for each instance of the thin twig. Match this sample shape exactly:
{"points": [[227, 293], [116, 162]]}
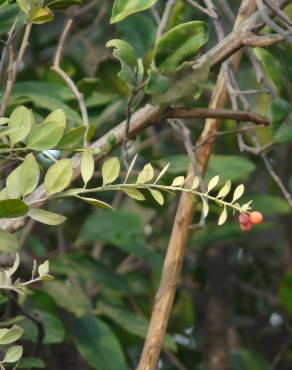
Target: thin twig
{"points": [[163, 22], [269, 22], [70, 83], [213, 15]]}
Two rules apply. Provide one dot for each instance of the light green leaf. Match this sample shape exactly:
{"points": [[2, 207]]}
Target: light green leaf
{"points": [[224, 190], [123, 8], [156, 82], [72, 138], [179, 44], [128, 59], [46, 217], [196, 183], [45, 136], [31, 363], [8, 336], [24, 5], [162, 173], [14, 267], [13, 354], [212, 183], [20, 120], [131, 167], [44, 268], [58, 176], [13, 183], [238, 192], [95, 202], [58, 116], [110, 170], [223, 216], [11, 208], [205, 207], [97, 344], [134, 193], [157, 195], [3, 120], [8, 242], [178, 181], [146, 174], [41, 15], [29, 175], [86, 166]]}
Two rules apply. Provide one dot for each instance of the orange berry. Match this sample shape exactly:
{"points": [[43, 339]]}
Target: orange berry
{"points": [[245, 227], [256, 218], [243, 218]]}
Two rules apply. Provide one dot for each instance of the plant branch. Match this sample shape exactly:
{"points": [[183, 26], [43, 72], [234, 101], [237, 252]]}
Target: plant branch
{"points": [[70, 83]]}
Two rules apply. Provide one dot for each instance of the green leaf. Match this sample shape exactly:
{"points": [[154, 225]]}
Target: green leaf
{"points": [[121, 229], [41, 15], [223, 216], [8, 242], [97, 344], [58, 176], [58, 115], [272, 68], [146, 174], [205, 207], [156, 82], [8, 336], [29, 175], [46, 217], [184, 81], [11, 208], [86, 166], [128, 59], [13, 354], [20, 120], [63, 4], [224, 190], [31, 362], [72, 138], [285, 292], [179, 44], [278, 112], [110, 170], [131, 323], [54, 329], [45, 136], [157, 195], [95, 202], [123, 8], [212, 183], [243, 359], [24, 5], [139, 30], [283, 135], [13, 183], [238, 192], [70, 297], [133, 193], [178, 181], [270, 205]]}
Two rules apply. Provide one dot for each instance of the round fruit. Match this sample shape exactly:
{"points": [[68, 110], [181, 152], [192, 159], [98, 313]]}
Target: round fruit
{"points": [[245, 227], [243, 218], [256, 218]]}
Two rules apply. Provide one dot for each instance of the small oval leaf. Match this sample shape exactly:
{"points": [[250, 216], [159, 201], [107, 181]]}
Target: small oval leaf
{"points": [[110, 170]]}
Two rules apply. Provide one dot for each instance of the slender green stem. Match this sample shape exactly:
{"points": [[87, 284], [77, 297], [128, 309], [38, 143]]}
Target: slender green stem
{"points": [[154, 186]]}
